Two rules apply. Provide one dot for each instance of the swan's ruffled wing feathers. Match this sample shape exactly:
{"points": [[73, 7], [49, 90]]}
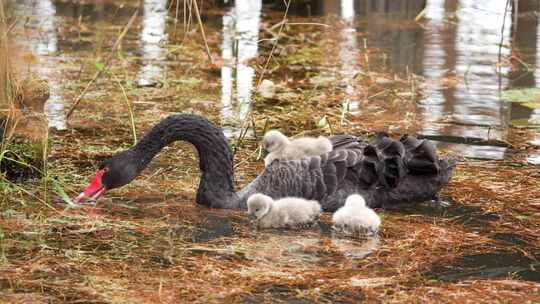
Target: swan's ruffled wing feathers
{"points": [[391, 154], [330, 178], [296, 178], [341, 164], [381, 171], [334, 167], [345, 141], [422, 155], [383, 164]]}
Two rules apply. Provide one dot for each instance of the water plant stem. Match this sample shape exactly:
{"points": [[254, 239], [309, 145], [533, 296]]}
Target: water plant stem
{"points": [[105, 64], [198, 15], [130, 109], [244, 124]]}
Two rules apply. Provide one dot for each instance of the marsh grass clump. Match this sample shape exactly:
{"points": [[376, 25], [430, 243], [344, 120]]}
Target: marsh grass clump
{"points": [[20, 160], [19, 157], [8, 89]]}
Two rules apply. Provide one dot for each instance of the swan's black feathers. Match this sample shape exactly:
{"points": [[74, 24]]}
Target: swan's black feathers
{"points": [[340, 155], [373, 166], [410, 142], [367, 174], [344, 141], [388, 146], [330, 177], [353, 157], [341, 170], [387, 172], [370, 151], [336, 164], [421, 157], [314, 163], [383, 164], [391, 154]]}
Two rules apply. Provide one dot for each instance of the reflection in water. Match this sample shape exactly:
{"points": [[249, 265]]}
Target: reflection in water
{"points": [[54, 107], [473, 151], [456, 50], [153, 33], [534, 117], [524, 45], [534, 159], [459, 39], [307, 247], [468, 51], [389, 25], [44, 46], [348, 54], [289, 247], [240, 35], [44, 12], [436, 63], [356, 249]]}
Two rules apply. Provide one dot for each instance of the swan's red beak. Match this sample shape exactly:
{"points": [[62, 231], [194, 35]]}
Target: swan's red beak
{"points": [[94, 190]]}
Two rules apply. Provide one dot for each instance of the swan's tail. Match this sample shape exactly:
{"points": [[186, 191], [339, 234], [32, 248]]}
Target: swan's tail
{"points": [[393, 160], [410, 170]]}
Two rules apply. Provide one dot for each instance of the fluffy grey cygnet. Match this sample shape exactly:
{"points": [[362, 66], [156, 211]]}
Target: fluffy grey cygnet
{"points": [[288, 212], [281, 147], [356, 218]]}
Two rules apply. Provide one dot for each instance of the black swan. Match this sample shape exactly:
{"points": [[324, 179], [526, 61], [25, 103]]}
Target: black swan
{"points": [[386, 172]]}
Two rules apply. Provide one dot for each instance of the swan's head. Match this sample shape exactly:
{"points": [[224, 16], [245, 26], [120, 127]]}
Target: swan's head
{"points": [[274, 140], [355, 200], [113, 173], [258, 205]]}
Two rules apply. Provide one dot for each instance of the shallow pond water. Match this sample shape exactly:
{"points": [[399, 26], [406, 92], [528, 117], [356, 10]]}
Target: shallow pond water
{"points": [[302, 248], [489, 265], [453, 47], [457, 46]]}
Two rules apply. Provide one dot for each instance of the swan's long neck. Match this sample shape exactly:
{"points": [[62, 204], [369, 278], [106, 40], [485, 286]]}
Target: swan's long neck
{"points": [[216, 188]]}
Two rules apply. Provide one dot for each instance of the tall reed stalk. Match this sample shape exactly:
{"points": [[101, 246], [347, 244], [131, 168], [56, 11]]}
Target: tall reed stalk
{"points": [[7, 82]]}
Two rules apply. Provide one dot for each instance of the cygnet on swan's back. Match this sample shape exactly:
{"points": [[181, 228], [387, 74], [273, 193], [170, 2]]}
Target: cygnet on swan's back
{"points": [[356, 218], [281, 148], [288, 212]]}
